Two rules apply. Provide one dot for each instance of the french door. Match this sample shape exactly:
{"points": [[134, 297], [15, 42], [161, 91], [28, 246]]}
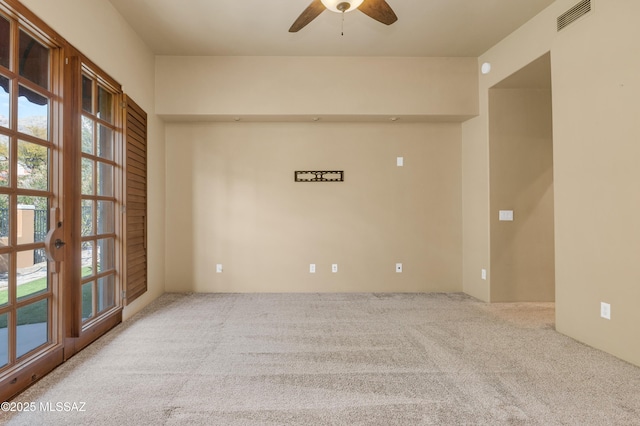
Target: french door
{"points": [[30, 160], [60, 200], [96, 202]]}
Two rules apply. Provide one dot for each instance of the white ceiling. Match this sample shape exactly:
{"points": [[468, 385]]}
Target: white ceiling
{"points": [[260, 27]]}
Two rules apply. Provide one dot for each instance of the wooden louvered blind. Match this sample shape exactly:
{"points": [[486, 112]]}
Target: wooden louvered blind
{"points": [[135, 236]]}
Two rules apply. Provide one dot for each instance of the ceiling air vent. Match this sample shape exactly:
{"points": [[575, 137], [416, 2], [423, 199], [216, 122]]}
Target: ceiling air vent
{"points": [[574, 13]]}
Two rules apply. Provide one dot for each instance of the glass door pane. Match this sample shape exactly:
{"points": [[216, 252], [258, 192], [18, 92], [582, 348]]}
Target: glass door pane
{"points": [[26, 129], [4, 101], [98, 199], [5, 45], [32, 328]]}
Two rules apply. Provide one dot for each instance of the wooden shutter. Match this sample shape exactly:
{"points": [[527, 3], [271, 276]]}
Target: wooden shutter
{"points": [[135, 202]]}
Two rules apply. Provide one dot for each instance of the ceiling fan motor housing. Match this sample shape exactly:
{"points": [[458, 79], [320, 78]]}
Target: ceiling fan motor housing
{"points": [[342, 6], [375, 9]]}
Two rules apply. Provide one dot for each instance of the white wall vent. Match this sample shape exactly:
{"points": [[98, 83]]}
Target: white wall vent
{"points": [[574, 13]]}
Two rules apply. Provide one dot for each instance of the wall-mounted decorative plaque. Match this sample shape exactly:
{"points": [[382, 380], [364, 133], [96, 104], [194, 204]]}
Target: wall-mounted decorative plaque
{"points": [[319, 176]]}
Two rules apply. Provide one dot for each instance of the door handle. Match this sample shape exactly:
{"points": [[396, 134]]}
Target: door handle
{"points": [[53, 242]]}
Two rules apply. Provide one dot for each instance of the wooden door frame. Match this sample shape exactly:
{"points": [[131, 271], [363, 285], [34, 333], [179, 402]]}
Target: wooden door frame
{"points": [[26, 372], [78, 337]]}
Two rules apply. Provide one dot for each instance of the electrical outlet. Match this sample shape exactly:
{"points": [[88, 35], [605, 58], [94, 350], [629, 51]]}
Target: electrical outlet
{"points": [[483, 274], [312, 268], [219, 268], [334, 268], [399, 268], [605, 310]]}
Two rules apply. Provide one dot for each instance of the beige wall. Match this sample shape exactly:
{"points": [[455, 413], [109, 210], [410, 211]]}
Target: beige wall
{"points": [[232, 199], [338, 86], [596, 96], [597, 175], [521, 179], [99, 32]]}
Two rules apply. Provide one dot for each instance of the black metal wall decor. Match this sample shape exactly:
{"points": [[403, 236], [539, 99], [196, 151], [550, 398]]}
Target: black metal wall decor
{"points": [[319, 176]]}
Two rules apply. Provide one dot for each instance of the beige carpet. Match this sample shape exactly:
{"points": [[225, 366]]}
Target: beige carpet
{"points": [[337, 359]]}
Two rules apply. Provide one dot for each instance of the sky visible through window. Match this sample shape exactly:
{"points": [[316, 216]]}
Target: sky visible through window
{"points": [[28, 110]]}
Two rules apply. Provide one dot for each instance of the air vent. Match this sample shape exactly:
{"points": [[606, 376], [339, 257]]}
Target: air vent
{"points": [[574, 13]]}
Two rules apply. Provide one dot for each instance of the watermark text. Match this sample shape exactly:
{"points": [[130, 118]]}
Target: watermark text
{"points": [[48, 406]]}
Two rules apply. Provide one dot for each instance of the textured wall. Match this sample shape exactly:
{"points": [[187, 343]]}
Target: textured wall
{"points": [[290, 86], [232, 199]]}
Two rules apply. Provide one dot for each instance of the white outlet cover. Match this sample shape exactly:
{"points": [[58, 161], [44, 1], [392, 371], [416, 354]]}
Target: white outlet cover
{"points": [[219, 268], [312, 268], [334, 268], [483, 274], [605, 310], [400, 161], [398, 267]]}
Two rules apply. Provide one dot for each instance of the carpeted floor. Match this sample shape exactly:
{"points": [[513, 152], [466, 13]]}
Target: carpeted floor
{"points": [[336, 359]]}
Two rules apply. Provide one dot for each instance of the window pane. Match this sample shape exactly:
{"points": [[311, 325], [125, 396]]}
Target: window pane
{"points": [[87, 176], [4, 222], [33, 326], [34, 60], [5, 44], [105, 142], [4, 279], [106, 217], [105, 105], [33, 113], [106, 293], [106, 255], [33, 166], [87, 94], [105, 179], [4, 340], [32, 278], [33, 219], [87, 258], [87, 135], [87, 301], [4, 101], [4, 161], [87, 218]]}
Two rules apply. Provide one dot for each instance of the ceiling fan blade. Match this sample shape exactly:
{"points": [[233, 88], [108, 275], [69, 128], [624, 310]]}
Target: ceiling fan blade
{"points": [[379, 10], [310, 13]]}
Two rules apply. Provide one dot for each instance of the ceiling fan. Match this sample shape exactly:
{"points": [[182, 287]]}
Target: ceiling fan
{"points": [[376, 9]]}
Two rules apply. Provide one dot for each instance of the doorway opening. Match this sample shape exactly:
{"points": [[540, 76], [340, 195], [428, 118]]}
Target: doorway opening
{"points": [[521, 186]]}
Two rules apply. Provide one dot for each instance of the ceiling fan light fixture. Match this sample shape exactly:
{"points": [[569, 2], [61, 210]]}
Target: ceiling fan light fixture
{"points": [[340, 6]]}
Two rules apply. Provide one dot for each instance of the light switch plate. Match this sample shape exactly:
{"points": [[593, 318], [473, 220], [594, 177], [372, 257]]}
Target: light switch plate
{"points": [[605, 310], [506, 215], [400, 161], [219, 268], [483, 274]]}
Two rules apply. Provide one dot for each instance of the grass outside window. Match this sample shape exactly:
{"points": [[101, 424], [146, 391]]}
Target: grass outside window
{"points": [[36, 313]]}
